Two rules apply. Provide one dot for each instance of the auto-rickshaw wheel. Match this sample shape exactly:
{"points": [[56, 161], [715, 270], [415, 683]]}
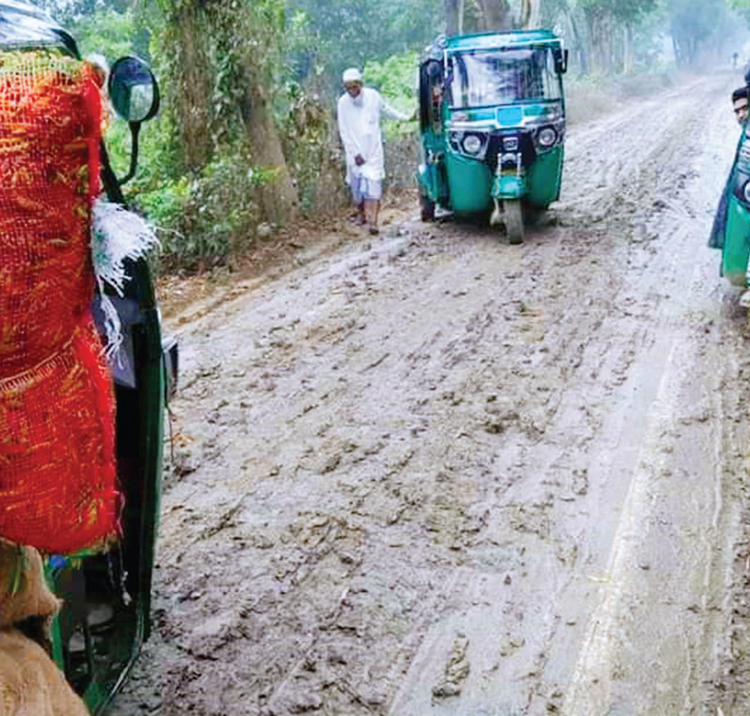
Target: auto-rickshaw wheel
{"points": [[513, 220], [427, 207]]}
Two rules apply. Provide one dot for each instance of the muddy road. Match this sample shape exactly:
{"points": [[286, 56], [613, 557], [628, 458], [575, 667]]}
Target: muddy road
{"points": [[435, 474]]}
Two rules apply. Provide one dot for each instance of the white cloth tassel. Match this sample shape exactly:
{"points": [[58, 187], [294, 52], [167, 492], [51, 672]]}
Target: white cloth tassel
{"points": [[112, 325], [117, 235]]}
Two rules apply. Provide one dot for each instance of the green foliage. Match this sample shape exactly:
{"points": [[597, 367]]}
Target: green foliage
{"points": [[107, 32], [742, 7], [396, 79], [206, 220], [308, 129], [112, 34], [350, 33], [165, 206], [71, 11]]}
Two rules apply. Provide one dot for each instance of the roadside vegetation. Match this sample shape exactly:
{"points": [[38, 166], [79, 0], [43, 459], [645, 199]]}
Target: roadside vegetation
{"points": [[246, 142]]}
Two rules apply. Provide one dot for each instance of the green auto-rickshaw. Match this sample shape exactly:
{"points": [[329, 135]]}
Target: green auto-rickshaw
{"points": [[107, 597], [492, 122]]}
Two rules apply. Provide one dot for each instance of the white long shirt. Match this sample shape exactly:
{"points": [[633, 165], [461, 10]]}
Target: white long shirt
{"points": [[359, 127]]}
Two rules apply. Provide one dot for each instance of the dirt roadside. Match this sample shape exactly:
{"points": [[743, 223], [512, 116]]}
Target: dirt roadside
{"points": [[432, 473]]}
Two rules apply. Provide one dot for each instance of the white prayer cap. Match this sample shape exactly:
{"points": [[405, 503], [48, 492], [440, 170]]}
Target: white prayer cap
{"points": [[352, 75]]}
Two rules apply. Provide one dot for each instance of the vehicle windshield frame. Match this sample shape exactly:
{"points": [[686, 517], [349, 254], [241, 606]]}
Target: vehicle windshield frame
{"points": [[528, 77]]}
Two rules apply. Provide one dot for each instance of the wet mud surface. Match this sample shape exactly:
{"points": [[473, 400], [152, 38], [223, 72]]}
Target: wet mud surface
{"points": [[432, 473]]}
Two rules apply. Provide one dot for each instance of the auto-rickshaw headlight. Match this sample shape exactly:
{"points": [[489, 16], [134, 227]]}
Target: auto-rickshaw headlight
{"points": [[472, 144], [547, 137], [746, 192]]}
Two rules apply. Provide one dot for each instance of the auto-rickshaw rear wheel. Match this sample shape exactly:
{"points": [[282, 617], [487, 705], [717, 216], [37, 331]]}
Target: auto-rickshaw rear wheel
{"points": [[513, 220], [427, 208]]}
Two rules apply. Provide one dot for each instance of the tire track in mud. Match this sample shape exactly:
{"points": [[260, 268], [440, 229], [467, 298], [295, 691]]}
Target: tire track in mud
{"points": [[398, 493], [619, 368], [606, 674]]}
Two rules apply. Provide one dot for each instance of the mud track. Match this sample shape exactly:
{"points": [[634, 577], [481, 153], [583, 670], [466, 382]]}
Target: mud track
{"points": [[437, 474]]}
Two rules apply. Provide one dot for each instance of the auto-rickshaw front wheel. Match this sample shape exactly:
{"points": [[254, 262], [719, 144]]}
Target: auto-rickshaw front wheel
{"points": [[513, 220]]}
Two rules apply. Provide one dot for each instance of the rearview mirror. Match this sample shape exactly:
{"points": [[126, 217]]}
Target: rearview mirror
{"points": [[561, 61], [133, 90]]}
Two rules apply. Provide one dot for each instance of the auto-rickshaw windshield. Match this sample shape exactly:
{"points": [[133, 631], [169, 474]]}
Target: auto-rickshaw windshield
{"points": [[483, 78]]}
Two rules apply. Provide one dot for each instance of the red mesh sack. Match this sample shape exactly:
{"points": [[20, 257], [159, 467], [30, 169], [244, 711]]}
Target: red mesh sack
{"points": [[50, 126], [57, 470]]}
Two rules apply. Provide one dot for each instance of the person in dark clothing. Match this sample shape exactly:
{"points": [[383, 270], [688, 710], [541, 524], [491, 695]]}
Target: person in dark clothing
{"points": [[739, 103], [716, 240]]}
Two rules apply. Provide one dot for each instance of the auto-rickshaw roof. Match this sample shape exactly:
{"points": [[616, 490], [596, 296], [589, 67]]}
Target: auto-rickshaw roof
{"points": [[500, 40], [25, 26]]}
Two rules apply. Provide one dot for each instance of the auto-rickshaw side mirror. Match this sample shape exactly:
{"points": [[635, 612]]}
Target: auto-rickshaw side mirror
{"points": [[133, 90], [561, 61], [134, 94]]}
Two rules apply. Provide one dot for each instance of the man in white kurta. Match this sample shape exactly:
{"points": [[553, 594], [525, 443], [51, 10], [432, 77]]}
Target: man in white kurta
{"points": [[359, 112]]}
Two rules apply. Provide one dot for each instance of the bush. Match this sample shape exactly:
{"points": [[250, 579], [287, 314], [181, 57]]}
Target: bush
{"points": [[396, 79], [311, 146], [207, 220]]}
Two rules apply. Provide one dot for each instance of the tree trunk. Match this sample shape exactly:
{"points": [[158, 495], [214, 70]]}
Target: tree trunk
{"points": [[277, 195], [677, 50], [579, 41], [599, 22], [495, 15], [451, 17], [191, 96], [531, 14], [628, 53]]}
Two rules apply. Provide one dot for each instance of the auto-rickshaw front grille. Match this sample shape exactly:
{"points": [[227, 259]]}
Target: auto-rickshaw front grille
{"points": [[496, 148]]}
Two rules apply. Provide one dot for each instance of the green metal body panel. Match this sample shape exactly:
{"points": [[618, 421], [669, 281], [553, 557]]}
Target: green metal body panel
{"points": [[509, 116], [736, 250], [469, 185], [508, 186], [544, 177], [733, 228]]}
